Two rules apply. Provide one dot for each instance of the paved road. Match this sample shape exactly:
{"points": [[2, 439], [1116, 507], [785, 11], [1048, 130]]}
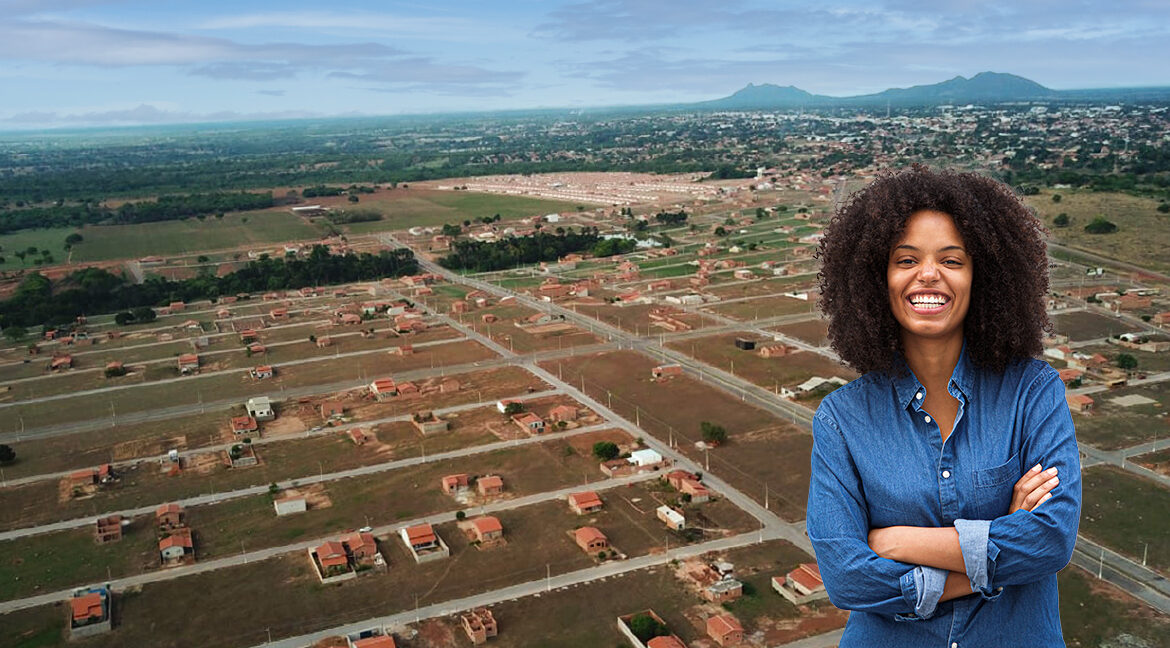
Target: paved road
{"points": [[259, 489], [560, 581], [387, 533], [320, 430], [1143, 583]]}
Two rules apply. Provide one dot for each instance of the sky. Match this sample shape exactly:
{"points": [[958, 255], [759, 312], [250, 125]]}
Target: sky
{"points": [[110, 62]]}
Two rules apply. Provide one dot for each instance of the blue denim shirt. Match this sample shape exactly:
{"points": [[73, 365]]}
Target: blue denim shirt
{"points": [[879, 460]]}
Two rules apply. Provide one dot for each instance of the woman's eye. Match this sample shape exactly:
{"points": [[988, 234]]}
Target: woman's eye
{"points": [[905, 261]]}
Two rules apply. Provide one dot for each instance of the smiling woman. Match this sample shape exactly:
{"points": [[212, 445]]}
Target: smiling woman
{"points": [[945, 491]]}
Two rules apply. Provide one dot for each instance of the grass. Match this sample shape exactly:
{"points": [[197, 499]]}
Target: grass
{"points": [[1112, 426], [1096, 614], [42, 239], [402, 209], [1126, 513], [192, 235], [1142, 236]]}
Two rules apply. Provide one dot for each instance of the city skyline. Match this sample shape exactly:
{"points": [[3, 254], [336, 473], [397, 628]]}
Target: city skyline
{"points": [[95, 62]]}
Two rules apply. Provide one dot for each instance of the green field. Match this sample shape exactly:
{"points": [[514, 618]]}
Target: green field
{"points": [[192, 235], [50, 239], [434, 208], [1142, 234]]}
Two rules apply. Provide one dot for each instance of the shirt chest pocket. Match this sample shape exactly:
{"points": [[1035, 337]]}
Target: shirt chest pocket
{"points": [[992, 492]]}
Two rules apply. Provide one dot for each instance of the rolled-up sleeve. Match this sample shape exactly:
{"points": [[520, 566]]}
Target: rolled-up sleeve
{"points": [[1025, 546], [855, 577]]}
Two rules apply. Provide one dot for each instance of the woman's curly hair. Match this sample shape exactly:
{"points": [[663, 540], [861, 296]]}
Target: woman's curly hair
{"points": [[1006, 318]]}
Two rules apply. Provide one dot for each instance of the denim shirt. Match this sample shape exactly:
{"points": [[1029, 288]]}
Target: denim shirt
{"points": [[879, 460]]}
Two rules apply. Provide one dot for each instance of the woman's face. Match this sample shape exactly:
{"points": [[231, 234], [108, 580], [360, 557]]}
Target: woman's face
{"points": [[929, 277]]}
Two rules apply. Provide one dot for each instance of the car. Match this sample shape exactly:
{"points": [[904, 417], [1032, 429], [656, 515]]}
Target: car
{"points": [[365, 529]]}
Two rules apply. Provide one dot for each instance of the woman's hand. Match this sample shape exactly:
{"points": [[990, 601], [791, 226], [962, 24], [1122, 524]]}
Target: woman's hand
{"points": [[1033, 489]]}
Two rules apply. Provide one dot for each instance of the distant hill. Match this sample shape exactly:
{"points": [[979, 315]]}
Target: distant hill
{"points": [[985, 87]]}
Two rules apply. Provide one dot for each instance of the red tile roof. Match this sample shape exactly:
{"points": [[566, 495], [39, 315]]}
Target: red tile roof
{"points": [[585, 499], [669, 641], [87, 607], [490, 481], [585, 535], [723, 624], [487, 524], [808, 576], [375, 642], [420, 534]]}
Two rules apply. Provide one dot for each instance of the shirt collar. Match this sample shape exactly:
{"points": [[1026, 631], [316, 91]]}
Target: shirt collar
{"points": [[907, 386]]}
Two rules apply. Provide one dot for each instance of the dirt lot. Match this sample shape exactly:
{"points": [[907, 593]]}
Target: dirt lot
{"points": [[758, 307], [761, 448], [1111, 426], [815, 332], [528, 338], [637, 318], [1085, 325], [763, 287], [771, 373]]}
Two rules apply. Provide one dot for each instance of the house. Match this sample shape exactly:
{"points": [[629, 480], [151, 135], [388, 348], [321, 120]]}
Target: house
{"points": [[801, 585], [177, 547], [645, 458], [563, 413], [332, 558], [278, 313], [666, 641], [1162, 319], [489, 485], [487, 529], [584, 502], [402, 350], [349, 318], [262, 372], [723, 590], [459, 307], [455, 483], [725, 630], [176, 307], [108, 529], [775, 350], [260, 408], [244, 425], [1079, 403], [529, 422], [428, 423], [332, 409], [697, 491], [89, 612], [362, 547], [424, 544], [61, 362], [591, 540], [290, 504], [664, 372], [1071, 375], [169, 517], [324, 341], [383, 388], [671, 518], [479, 625], [745, 344], [188, 363], [377, 641], [257, 349]]}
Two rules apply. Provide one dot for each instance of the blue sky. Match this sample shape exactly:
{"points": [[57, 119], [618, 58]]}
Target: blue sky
{"points": [[82, 62]]}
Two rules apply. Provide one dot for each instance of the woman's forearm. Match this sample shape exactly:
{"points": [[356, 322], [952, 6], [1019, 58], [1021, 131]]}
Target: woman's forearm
{"points": [[930, 546], [957, 586]]}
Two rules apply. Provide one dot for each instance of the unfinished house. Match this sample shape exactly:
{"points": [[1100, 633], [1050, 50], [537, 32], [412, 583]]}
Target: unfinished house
{"points": [[479, 624]]}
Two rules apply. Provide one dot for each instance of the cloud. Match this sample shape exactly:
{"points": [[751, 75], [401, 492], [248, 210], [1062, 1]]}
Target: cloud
{"points": [[142, 114], [271, 93], [87, 44]]}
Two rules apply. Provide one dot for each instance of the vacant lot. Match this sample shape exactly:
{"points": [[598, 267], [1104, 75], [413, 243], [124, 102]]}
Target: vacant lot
{"points": [[764, 287], [404, 208], [1112, 426], [525, 339], [637, 318], [1127, 514], [815, 332], [758, 307], [761, 448], [1157, 461], [771, 373], [1085, 325], [1142, 235], [191, 235]]}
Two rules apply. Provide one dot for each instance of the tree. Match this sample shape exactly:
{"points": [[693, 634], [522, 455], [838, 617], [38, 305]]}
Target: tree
{"points": [[452, 229], [606, 450], [646, 627], [460, 516], [513, 408], [1164, 208], [123, 318], [1100, 226], [144, 314], [202, 258], [1126, 361], [7, 454], [713, 433], [720, 231], [1055, 198], [15, 333], [1061, 220]]}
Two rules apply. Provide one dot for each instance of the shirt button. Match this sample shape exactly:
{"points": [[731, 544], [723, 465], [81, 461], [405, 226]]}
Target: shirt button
{"points": [[927, 419], [946, 474], [999, 589], [918, 395], [955, 645]]}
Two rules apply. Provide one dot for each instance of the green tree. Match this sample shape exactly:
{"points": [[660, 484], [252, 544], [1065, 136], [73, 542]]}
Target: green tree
{"points": [[606, 450], [7, 454], [460, 516], [144, 314], [123, 318], [202, 258], [720, 231], [15, 333], [1055, 198], [1164, 208], [646, 627], [712, 433], [1100, 226], [1126, 361], [513, 408], [1061, 220]]}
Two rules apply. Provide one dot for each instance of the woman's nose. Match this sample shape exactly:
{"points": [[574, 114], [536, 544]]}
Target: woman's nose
{"points": [[928, 271]]}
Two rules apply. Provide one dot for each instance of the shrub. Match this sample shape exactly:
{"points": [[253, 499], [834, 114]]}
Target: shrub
{"points": [[605, 450], [1061, 220], [1100, 226], [460, 516]]}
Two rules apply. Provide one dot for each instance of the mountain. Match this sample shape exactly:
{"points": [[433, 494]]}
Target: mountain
{"points": [[766, 96], [985, 87]]}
